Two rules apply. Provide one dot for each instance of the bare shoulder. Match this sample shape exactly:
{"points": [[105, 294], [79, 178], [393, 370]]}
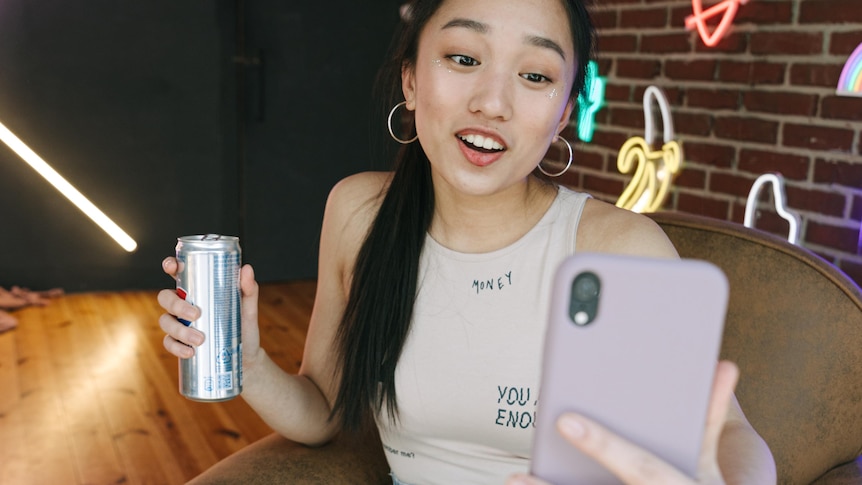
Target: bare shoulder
{"points": [[350, 209], [609, 229]]}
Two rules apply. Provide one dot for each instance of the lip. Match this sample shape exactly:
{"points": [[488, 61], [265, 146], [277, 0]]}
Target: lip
{"points": [[477, 158]]}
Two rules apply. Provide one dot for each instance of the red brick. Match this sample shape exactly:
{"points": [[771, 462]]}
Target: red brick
{"points": [[767, 220], [818, 201], [644, 17], [782, 103], [691, 123], [728, 183], [746, 129], [617, 92], [733, 43], [856, 208], [713, 99], [852, 269], [589, 160], [838, 172], [618, 43], [674, 95], [571, 179], [721, 156], [751, 72], [829, 11], [628, 117], [737, 212], [679, 14], [844, 43], [691, 178], [764, 161], [700, 70], [609, 140], [817, 137], [841, 238], [606, 19], [632, 68], [603, 185], [841, 108], [815, 75], [665, 43], [765, 13], [795, 43], [605, 65], [696, 204]]}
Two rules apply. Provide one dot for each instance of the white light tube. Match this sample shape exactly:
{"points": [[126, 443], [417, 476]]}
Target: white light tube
{"points": [[65, 188]]}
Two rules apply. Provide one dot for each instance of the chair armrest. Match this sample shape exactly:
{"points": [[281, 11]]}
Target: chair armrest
{"points": [[846, 474], [274, 459]]}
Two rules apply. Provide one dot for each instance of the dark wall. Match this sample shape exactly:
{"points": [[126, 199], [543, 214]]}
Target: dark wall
{"points": [[135, 103]]}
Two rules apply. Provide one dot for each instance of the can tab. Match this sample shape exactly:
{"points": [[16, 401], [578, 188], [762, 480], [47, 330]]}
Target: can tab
{"points": [[211, 237]]}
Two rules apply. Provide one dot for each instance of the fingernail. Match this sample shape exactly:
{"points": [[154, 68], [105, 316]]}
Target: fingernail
{"points": [[572, 427], [197, 339]]}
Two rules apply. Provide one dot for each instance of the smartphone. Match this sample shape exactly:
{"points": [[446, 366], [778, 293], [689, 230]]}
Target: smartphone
{"points": [[632, 343]]}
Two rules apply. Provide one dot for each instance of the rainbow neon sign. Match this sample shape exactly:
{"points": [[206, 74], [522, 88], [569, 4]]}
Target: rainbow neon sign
{"points": [[850, 82]]}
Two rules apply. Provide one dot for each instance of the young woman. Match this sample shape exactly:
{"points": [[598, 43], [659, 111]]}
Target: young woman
{"points": [[433, 279]]}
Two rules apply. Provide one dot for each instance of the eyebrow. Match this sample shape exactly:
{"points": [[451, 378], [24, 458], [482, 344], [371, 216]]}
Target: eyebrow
{"points": [[482, 28]]}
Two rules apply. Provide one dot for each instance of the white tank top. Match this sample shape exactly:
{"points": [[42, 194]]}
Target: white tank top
{"points": [[467, 381]]}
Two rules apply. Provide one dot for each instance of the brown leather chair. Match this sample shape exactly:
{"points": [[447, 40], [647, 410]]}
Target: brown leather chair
{"points": [[794, 327]]}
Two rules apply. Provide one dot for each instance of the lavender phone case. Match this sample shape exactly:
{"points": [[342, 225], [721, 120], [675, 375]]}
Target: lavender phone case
{"points": [[643, 367]]}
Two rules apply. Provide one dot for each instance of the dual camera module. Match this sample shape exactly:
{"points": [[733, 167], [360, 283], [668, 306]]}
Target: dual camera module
{"points": [[584, 298]]}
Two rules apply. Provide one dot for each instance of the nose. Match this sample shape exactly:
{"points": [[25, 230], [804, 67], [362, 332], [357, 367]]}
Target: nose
{"points": [[493, 96]]}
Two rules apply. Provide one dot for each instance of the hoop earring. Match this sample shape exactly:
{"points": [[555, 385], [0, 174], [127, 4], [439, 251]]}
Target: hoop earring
{"points": [[571, 156], [389, 125]]}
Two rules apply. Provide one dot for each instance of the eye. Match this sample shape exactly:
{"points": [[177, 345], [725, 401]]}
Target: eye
{"points": [[535, 78], [463, 60]]}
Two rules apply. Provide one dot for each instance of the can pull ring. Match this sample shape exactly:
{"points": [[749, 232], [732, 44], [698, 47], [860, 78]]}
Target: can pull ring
{"points": [[211, 237]]}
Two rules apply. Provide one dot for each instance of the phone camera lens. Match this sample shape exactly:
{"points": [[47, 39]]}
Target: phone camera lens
{"points": [[584, 298], [586, 287]]}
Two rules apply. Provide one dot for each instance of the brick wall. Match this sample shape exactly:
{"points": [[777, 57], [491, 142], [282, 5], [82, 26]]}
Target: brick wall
{"points": [[762, 100]]}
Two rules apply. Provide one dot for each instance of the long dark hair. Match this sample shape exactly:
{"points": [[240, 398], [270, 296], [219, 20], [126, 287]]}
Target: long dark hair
{"points": [[379, 309]]}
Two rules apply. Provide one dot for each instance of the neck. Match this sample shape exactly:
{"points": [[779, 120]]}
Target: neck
{"points": [[484, 223]]}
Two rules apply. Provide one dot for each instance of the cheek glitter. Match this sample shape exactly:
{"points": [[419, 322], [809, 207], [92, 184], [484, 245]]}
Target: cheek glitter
{"points": [[553, 94], [439, 63]]}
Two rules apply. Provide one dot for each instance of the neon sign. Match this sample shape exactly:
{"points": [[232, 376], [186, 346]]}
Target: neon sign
{"points": [[587, 107], [698, 20], [780, 199], [850, 82], [654, 170]]}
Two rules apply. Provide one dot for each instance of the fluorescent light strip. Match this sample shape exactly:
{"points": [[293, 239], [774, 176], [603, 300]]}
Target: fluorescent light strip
{"points": [[65, 188]]}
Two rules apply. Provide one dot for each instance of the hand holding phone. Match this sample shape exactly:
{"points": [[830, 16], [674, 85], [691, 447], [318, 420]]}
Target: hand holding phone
{"points": [[632, 343]]}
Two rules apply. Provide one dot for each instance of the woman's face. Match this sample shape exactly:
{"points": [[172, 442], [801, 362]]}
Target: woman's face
{"points": [[490, 89]]}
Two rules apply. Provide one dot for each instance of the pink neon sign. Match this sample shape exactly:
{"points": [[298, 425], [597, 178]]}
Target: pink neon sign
{"points": [[698, 20]]}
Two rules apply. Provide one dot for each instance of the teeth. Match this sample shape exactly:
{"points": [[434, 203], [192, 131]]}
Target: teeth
{"points": [[482, 142]]}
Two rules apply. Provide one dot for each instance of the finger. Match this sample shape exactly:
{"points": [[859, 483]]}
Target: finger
{"points": [[250, 292], [169, 265], [179, 332], [629, 462], [178, 348], [178, 307], [724, 383]]}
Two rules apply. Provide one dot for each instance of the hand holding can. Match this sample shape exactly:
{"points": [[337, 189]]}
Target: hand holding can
{"points": [[208, 277]]}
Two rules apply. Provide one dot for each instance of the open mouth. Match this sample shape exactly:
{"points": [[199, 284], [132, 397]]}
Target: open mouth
{"points": [[482, 143]]}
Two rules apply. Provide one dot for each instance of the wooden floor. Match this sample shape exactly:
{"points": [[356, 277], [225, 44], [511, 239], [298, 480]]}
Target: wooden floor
{"points": [[89, 396]]}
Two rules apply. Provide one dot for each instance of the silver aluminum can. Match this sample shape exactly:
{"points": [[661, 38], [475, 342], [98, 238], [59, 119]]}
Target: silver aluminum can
{"points": [[208, 277]]}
